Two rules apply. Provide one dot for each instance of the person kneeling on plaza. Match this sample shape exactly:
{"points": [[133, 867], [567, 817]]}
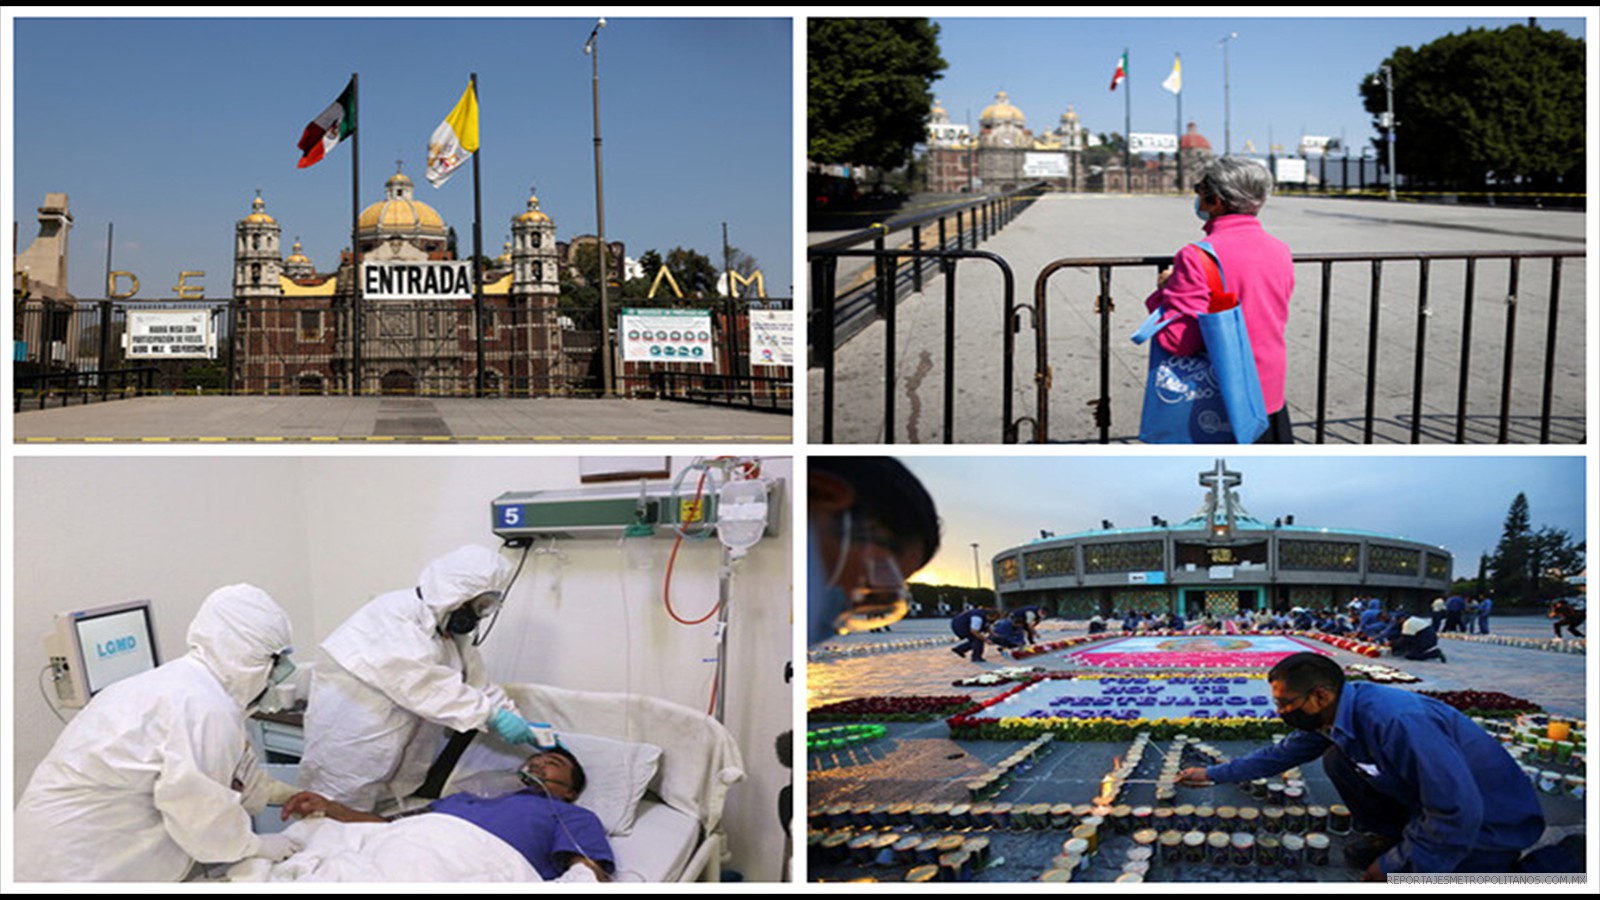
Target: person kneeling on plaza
{"points": [[541, 821], [1417, 640], [1006, 634], [1432, 790]]}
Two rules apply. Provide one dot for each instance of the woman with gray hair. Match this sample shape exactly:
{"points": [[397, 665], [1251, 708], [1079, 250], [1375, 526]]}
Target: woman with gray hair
{"points": [[1258, 268]]}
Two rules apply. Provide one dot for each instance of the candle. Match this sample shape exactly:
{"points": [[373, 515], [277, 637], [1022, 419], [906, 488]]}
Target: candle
{"points": [[1294, 847], [1244, 848], [1267, 851], [1194, 847], [1339, 819], [978, 849], [1219, 843], [1317, 849], [1171, 847], [1558, 730]]}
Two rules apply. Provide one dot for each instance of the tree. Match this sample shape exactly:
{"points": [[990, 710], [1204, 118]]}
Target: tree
{"points": [[869, 93], [1532, 566], [1487, 107], [1109, 152], [695, 273]]}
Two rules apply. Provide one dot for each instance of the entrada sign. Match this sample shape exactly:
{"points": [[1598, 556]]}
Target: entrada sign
{"points": [[416, 280]]}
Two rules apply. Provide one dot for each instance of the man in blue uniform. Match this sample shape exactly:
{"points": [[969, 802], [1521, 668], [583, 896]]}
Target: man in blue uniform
{"points": [[972, 626], [1431, 789]]}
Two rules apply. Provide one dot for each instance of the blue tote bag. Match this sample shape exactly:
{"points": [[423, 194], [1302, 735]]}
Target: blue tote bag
{"points": [[1208, 398]]}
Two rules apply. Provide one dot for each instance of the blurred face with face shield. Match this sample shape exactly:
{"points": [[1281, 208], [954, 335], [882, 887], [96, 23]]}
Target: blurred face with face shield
{"points": [[872, 526], [400, 672], [156, 773]]}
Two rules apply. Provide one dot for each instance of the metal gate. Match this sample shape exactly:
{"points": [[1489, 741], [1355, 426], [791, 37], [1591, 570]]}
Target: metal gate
{"points": [[1410, 309]]}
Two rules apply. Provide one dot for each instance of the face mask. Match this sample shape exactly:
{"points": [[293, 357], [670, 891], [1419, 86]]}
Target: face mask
{"points": [[462, 621], [1199, 213], [1301, 720]]}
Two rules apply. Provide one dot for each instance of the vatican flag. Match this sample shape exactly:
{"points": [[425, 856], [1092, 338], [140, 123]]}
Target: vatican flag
{"points": [[455, 140], [1174, 82]]}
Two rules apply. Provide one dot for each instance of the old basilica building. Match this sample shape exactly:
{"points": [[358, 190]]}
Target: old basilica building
{"points": [[300, 331]]}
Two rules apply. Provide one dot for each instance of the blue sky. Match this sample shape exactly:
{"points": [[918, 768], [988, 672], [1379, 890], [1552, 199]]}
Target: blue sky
{"points": [[1457, 502], [1286, 76], [167, 127]]}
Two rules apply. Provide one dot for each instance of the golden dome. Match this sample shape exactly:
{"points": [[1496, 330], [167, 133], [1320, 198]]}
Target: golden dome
{"points": [[1070, 115], [533, 214], [297, 256], [504, 259], [1001, 111], [398, 213], [259, 216]]}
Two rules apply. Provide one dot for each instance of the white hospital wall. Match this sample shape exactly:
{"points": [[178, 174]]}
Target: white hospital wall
{"points": [[97, 530], [326, 534]]}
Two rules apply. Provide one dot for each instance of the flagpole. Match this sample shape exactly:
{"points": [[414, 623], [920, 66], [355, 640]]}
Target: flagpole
{"points": [[1177, 60], [355, 238], [592, 47], [1127, 119], [477, 247]]}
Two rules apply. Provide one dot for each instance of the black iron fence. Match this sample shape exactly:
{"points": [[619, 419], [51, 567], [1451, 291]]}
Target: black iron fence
{"points": [[1415, 326], [308, 347], [957, 227]]}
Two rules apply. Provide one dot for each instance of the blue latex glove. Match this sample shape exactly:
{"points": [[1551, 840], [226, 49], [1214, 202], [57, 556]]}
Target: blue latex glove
{"points": [[511, 727]]}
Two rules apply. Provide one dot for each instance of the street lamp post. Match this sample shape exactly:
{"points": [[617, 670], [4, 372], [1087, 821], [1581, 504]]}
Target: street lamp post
{"points": [[592, 48], [1227, 108], [1386, 75], [977, 577]]}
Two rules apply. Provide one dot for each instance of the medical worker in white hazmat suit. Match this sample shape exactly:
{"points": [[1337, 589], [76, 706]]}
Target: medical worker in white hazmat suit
{"points": [[156, 773], [397, 674]]}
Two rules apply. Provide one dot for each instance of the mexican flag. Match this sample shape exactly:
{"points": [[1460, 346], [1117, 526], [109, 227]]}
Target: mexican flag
{"points": [[336, 123], [1122, 71], [455, 140]]}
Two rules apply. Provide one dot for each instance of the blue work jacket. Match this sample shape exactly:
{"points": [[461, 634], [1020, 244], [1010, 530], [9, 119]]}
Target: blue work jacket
{"points": [[1466, 794]]}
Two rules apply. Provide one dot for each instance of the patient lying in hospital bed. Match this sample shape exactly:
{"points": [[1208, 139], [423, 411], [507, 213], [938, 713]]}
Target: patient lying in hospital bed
{"points": [[658, 776], [462, 837]]}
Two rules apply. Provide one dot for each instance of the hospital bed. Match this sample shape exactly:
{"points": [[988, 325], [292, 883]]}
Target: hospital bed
{"points": [[659, 775], [677, 831]]}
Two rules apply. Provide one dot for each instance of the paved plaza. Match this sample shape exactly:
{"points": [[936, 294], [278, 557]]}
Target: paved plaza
{"points": [[919, 762], [395, 420], [1066, 226]]}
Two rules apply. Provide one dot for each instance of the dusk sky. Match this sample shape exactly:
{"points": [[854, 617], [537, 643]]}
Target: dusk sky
{"points": [[1457, 502], [168, 127]]}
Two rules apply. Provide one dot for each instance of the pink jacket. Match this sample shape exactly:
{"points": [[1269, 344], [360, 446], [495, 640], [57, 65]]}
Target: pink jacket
{"points": [[1256, 266]]}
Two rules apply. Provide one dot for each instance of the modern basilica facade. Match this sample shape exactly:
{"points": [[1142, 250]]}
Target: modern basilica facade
{"points": [[1220, 560]]}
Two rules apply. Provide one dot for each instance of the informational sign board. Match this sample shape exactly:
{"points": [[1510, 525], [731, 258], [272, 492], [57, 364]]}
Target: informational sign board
{"points": [[1045, 165], [1291, 171], [1318, 144], [1153, 143], [667, 335], [412, 280], [772, 337], [170, 334]]}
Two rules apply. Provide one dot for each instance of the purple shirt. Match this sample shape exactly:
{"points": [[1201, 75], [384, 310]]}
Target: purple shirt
{"points": [[541, 829], [1259, 269]]}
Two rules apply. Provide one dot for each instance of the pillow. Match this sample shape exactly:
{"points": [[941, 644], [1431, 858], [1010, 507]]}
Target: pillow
{"points": [[618, 772]]}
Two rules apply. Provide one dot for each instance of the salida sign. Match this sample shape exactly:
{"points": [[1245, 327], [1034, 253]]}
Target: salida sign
{"points": [[416, 280]]}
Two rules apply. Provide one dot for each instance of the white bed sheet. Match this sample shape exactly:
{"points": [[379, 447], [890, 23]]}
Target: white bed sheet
{"points": [[662, 842]]}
